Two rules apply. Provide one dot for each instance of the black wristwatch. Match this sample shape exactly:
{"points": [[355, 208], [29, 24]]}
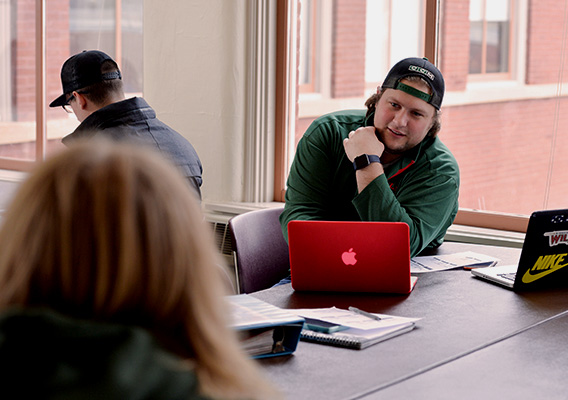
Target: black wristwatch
{"points": [[364, 160]]}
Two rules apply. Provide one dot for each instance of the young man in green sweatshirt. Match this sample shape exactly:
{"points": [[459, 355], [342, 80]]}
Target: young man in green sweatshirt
{"points": [[380, 164]]}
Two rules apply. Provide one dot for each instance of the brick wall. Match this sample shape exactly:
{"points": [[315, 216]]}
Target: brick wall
{"points": [[546, 28], [57, 15], [25, 60], [504, 151], [454, 44], [348, 52]]}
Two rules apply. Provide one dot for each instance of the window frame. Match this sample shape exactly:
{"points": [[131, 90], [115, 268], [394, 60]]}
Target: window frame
{"points": [[40, 92]]}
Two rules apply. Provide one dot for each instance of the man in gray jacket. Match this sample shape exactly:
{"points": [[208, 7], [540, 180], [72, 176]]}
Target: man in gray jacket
{"points": [[93, 90]]}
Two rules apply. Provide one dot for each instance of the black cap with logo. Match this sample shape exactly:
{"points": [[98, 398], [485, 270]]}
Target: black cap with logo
{"points": [[81, 70], [417, 67]]}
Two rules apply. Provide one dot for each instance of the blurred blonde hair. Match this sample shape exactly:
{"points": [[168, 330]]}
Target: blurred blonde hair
{"points": [[110, 232]]}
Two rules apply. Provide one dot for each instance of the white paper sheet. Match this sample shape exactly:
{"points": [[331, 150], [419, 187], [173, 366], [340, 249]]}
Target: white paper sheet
{"points": [[467, 259], [351, 319]]}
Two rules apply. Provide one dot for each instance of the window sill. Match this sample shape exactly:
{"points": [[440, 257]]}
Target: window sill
{"points": [[485, 236], [456, 233], [12, 176]]}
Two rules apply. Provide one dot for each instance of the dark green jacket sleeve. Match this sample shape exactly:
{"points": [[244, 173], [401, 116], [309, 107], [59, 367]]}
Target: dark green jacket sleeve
{"points": [[318, 187], [426, 201]]}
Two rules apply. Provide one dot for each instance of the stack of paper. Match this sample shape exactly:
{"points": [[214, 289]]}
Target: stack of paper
{"points": [[466, 260], [265, 330]]}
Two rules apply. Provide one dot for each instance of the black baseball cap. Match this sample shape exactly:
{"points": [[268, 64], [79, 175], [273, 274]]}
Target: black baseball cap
{"points": [[417, 67], [81, 70]]}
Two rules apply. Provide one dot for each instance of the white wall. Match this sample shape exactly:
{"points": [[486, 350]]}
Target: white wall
{"points": [[194, 77]]}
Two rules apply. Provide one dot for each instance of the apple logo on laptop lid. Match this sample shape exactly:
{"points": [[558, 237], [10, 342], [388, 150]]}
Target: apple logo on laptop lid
{"points": [[348, 257]]}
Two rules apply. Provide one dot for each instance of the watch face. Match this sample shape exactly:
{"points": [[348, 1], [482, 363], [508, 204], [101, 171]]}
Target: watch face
{"points": [[361, 161], [364, 160]]}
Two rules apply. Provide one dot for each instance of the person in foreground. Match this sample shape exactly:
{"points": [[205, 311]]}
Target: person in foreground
{"points": [[384, 163], [93, 90], [111, 287]]}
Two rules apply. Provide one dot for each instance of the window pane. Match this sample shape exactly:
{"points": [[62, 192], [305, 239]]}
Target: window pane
{"points": [[406, 30], [71, 26], [306, 42], [132, 46], [497, 10], [366, 37], [508, 136], [497, 47], [476, 10], [91, 25], [17, 80], [376, 64], [88, 25], [475, 46], [489, 37]]}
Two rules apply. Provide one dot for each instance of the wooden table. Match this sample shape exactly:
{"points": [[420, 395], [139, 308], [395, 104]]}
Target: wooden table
{"points": [[460, 316]]}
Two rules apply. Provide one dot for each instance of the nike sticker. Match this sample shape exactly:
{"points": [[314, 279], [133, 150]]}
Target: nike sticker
{"points": [[545, 265]]}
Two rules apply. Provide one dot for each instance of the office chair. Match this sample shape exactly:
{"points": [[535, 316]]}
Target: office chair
{"points": [[259, 249]]}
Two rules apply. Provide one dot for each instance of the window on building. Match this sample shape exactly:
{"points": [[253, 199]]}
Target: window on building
{"points": [[29, 129], [489, 36]]}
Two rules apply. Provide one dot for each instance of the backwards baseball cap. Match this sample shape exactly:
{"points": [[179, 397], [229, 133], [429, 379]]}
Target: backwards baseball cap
{"points": [[417, 67], [81, 70]]}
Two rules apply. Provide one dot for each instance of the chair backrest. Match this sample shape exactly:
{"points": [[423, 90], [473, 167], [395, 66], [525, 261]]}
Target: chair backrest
{"points": [[261, 253]]}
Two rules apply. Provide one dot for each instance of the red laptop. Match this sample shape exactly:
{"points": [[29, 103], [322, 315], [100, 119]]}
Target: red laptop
{"points": [[341, 256]]}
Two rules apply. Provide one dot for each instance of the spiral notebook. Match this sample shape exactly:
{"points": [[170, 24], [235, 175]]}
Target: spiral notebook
{"points": [[356, 336]]}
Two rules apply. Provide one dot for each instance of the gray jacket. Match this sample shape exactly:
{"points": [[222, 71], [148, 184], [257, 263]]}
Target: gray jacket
{"points": [[133, 119]]}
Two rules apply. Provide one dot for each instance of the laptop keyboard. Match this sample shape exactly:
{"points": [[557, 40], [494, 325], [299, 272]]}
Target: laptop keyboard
{"points": [[510, 276]]}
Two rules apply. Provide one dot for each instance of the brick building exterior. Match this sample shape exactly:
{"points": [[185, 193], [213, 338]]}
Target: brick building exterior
{"points": [[505, 148]]}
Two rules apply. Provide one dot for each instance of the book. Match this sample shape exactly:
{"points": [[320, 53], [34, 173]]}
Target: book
{"points": [[264, 330], [362, 329], [466, 260]]}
